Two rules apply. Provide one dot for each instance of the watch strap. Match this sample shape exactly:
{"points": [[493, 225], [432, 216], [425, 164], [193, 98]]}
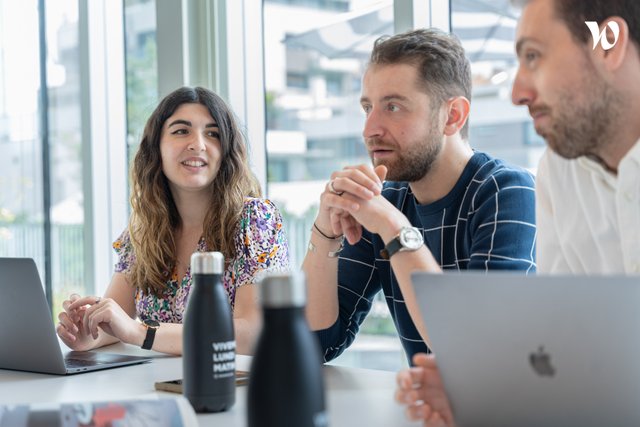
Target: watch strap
{"points": [[391, 248], [150, 337], [408, 239]]}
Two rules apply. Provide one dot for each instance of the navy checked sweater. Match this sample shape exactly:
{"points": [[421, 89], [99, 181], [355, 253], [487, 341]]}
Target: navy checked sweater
{"points": [[486, 222]]}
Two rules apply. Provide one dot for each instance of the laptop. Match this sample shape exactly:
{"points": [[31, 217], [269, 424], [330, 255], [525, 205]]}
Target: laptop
{"points": [[28, 341], [517, 350]]}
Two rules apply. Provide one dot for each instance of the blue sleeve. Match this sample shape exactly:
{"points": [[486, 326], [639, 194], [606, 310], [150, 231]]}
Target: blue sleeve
{"points": [[503, 224], [358, 283]]}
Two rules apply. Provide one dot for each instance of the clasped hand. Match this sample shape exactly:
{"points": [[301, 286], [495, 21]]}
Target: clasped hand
{"points": [[353, 199], [79, 322]]}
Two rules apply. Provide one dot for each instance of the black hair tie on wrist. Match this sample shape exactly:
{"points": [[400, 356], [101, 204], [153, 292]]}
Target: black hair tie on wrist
{"points": [[324, 235]]}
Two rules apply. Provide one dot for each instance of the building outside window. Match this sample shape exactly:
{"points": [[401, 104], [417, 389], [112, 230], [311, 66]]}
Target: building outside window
{"points": [[316, 127], [487, 31]]}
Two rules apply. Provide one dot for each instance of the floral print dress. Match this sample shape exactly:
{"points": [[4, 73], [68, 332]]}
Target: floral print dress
{"points": [[260, 246]]}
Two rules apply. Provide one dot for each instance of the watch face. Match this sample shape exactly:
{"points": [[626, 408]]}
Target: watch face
{"points": [[151, 323], [411, 238]]}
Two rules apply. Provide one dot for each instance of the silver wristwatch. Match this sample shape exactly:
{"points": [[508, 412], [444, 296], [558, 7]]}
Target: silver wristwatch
{"points": [[409, 239]]}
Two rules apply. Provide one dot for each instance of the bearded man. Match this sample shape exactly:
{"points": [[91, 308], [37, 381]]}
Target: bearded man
{"points": [[429, 201], [582, 90]]}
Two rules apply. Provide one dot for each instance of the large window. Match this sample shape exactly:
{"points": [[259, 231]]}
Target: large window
{"points": [[487, 32], [21, 211], [315, 55], [41, 209], [314, 59], [62, 140], [142, 68], [66, 150]]}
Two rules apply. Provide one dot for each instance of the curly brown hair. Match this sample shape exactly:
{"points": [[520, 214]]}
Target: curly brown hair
{"points": [[155, 219]]}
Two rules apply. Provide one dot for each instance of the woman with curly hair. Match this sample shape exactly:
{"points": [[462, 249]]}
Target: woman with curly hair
{"points": [[192, 190]]}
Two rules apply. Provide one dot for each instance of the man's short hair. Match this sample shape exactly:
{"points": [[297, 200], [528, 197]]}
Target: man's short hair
{"points": [[575, 12], [444, 70]]}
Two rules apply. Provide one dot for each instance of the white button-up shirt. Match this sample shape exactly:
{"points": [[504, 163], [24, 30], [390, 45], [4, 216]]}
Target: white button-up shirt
{"points": [[588, 218]]}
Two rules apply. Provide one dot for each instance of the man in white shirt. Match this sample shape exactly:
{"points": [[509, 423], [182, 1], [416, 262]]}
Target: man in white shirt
{"points": [[588, 217], [583, 93], [584, 101]]}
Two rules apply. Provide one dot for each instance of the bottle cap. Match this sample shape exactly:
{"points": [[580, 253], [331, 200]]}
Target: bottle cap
{"points": [[207, 263], [283, 290]]}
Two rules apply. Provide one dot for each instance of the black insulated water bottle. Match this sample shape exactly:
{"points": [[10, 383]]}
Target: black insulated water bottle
{"points": [[286, 387], [208, 346]]}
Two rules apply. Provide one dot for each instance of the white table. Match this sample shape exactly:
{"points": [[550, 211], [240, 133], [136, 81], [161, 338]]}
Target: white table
{"points": [[355, 397]]}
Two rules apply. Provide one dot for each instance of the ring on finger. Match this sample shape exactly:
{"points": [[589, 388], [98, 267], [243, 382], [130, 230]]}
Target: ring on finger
{"points": [[333, 190], [98, 300]]}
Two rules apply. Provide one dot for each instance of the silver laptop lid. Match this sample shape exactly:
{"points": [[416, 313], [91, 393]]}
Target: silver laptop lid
{"points": [[27, 332], [519, 350]]}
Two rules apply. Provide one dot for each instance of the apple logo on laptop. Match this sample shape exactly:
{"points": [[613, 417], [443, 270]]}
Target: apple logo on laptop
{"points": [[541, 363]]}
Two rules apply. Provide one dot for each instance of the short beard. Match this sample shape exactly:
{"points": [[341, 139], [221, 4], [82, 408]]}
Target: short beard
{"points": [[584, 127], [414, 164]]}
